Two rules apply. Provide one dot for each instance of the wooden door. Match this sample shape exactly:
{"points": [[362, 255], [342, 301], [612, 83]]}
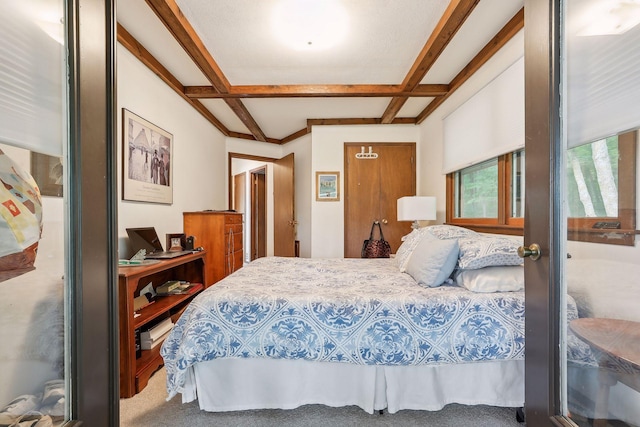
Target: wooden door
{"points": [[239, 191], [372, 188], [258, 214], [284, 219]]}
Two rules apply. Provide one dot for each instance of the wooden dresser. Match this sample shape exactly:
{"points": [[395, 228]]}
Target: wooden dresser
{"points": [[220, 234]]}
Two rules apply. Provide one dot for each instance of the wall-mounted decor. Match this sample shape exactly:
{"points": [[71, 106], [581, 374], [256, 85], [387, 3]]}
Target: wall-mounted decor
{"points": [[47, 171], [327, 186], [146, 162]]}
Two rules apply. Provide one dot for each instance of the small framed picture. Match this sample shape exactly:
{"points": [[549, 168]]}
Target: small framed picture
{"points": [[327, 186], [47, 171], [176, 242]]}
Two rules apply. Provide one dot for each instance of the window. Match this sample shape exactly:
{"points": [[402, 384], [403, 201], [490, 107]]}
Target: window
{"points": [[476, 191], [601, 190], [488, 196]]}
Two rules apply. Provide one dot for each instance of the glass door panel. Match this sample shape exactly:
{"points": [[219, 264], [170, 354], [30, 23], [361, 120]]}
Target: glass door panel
{"points": [[601, 323], [33, 147]]}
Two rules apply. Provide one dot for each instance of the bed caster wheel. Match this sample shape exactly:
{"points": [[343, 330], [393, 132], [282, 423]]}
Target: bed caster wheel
{"points": [[520, 415], [381, 412]]}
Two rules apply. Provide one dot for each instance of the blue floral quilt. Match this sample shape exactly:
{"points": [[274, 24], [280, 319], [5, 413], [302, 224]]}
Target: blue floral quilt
{"points": [[360, 311]]}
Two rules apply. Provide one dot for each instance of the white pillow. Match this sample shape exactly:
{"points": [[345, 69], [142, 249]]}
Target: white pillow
{"points": [[433, 260], [444, 231], [492, 279], [484, 251], [409, 243]]}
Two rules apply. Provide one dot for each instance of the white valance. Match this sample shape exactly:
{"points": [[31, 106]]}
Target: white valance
{"points": [[603, 85], [489, 124], [32, 89]]}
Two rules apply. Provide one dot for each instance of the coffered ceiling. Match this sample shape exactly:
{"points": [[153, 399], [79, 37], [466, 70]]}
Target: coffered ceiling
{"points": [[398, 60]]}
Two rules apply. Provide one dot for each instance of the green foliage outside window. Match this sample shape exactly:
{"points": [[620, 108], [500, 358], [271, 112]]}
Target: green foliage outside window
{"points": [[593, 186], [477, 191]]}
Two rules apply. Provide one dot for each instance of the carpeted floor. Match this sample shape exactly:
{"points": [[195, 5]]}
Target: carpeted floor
{"points": [[149, 408]]}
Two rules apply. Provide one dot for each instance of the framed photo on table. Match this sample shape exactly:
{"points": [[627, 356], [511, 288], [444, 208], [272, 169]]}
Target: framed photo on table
{"points": [[147, 152], [327, 186], [176, 242]]}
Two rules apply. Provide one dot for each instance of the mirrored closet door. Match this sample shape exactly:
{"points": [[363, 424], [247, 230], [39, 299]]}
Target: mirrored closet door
{"points": [[33, 158], [601, 323]]}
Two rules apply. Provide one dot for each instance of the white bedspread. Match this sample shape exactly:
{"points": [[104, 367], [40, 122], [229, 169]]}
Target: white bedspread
{"points": [[354, 311]]}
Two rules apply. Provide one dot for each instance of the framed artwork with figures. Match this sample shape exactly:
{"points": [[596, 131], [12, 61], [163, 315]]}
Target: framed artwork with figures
{"points": [[147, 152]]}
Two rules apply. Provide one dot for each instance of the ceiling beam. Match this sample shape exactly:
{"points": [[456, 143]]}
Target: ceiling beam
{"points": [[144, 56], [358, 121], [302, 132], [452, 19], [315, 91], [171, 16], [507, 32]]}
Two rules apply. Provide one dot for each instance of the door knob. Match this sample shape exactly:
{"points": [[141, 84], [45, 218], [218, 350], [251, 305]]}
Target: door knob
{"points": [[532, 251], [384, 221]]}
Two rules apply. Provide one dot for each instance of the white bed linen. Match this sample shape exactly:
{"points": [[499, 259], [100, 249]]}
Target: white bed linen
{"points": [[345, 311], [241, 384]]}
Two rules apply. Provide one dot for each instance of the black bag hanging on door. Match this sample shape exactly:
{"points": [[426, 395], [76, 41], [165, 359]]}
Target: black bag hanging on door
{"points": [[376, 248]]}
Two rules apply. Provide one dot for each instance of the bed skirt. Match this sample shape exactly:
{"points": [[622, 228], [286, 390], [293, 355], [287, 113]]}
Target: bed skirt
{"points": [[242, 384]]}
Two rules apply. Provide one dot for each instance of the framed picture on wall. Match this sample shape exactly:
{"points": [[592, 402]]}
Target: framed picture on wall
{"points": [[147, 152], [47, 171], [327, 186]]}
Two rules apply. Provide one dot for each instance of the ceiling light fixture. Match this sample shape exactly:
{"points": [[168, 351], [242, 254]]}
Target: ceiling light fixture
{"points": [[310, 24]]}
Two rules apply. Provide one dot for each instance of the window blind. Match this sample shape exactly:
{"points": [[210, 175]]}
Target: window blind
{"points": [[603, 85], [32, 92], [489, 124]]}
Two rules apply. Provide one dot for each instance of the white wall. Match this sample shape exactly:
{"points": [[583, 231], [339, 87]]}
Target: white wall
{"points": [[327, 154], [199, 157]]}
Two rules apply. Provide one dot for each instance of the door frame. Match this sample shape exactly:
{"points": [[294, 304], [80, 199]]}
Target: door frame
{"points": [[543, 213], [242, 156], [92, 329]]}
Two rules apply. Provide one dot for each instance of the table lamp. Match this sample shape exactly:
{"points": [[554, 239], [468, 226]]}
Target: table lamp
{"points": [[416, 208]]}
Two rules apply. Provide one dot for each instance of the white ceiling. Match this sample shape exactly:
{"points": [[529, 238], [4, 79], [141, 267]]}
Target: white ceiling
{"points": [[384, 39]]}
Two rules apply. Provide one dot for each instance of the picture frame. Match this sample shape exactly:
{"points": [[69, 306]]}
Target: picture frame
{"points": [[176, 242], [47, 172], [327, 186], [147, 166]]}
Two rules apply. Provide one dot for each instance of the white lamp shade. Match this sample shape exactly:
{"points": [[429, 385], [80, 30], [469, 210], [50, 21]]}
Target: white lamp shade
{"points": [[416, 208]]}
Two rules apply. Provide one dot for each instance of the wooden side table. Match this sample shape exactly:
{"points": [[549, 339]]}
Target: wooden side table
{"points": [[617, 343]]}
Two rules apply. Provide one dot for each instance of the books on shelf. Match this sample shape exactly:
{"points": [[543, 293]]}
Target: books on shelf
{"points": [[183, 288], [149, 344], [155, 335], [168, 286], [158, 330]]}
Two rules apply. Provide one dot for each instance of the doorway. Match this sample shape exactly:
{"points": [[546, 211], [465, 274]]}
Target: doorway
{"points": [[372, 186], [258, 204], [277, 231]]}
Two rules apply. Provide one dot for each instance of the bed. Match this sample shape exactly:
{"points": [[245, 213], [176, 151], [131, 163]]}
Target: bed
{"points": [[410, 332]]}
